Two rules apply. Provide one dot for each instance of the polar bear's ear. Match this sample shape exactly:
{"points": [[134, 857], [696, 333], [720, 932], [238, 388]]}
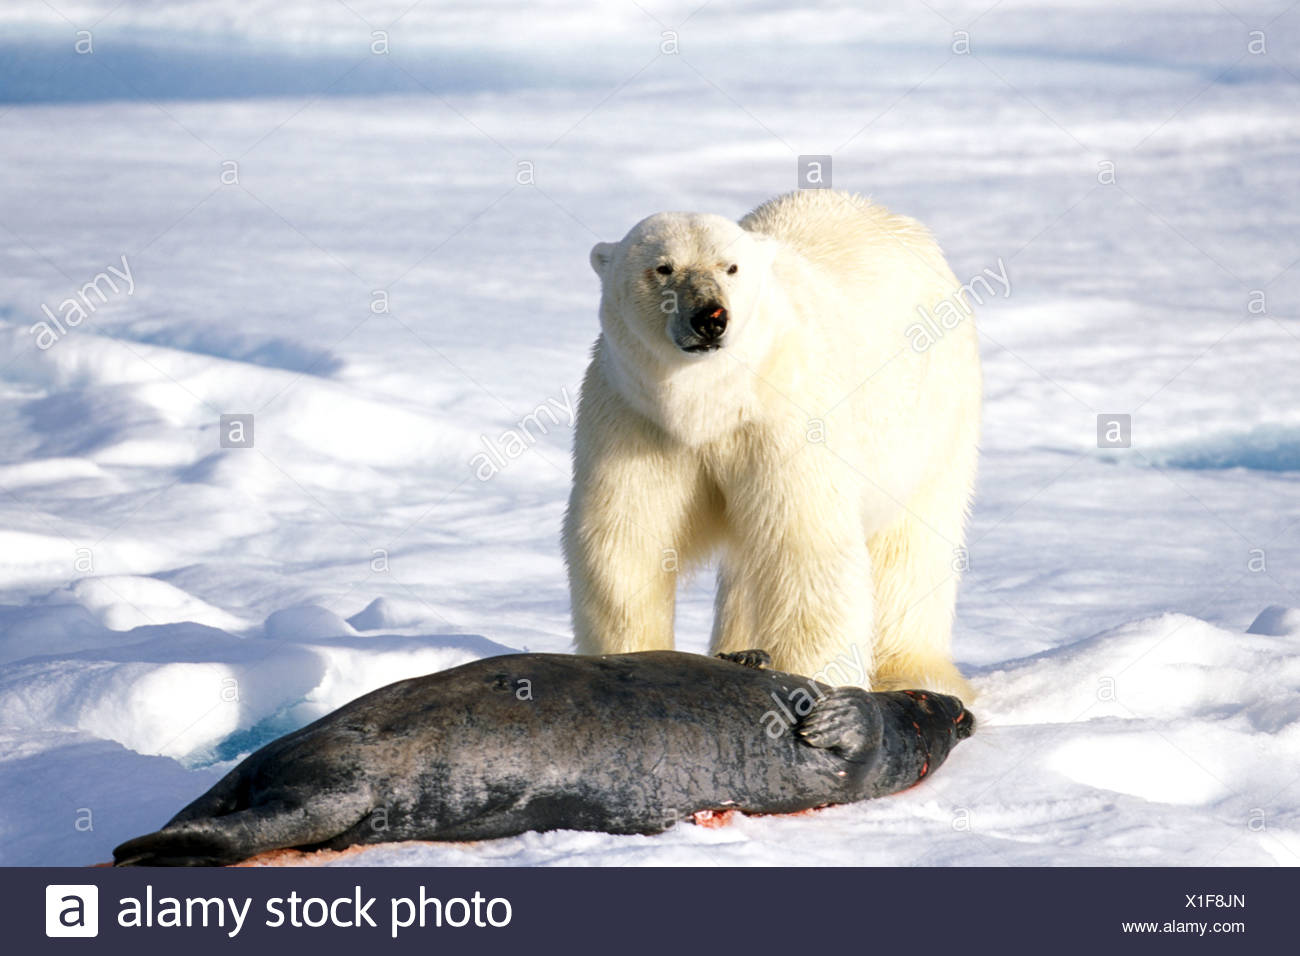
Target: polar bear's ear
{"points": [[601, 254]]}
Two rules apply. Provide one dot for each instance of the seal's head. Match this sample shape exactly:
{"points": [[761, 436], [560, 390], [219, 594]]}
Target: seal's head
{"points": [[950, 711], [940, 720]]}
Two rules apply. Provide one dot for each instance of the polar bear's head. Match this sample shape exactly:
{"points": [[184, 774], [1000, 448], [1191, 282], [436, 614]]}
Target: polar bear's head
{"points": [[683, 284]]}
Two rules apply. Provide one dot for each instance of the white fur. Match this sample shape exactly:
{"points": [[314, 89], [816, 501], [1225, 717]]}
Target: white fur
{"points": [[830, 462]]}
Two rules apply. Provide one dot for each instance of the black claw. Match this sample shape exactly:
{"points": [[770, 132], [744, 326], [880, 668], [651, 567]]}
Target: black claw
{"points": [[757, 659]]}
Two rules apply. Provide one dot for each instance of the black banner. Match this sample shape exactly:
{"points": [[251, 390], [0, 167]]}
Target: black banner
{"points": [[647, 910]]}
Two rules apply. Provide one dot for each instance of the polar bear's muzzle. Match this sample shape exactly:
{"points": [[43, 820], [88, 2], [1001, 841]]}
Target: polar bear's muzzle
{"points": [[708, 324]]}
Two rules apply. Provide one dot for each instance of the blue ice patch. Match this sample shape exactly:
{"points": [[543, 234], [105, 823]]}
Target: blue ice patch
{"points": [[241, 743], [1264, 448]]}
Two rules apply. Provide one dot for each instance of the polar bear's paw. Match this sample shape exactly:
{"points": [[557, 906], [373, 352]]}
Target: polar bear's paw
{"points": [[939, 677]]}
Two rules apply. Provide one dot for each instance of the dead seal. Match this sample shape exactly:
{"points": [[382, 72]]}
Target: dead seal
{"points": [[627, 743]]}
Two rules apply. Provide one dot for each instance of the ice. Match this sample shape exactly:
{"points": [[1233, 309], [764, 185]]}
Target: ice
{"points": [[122, 602], [304, 623], [389, 613], [386, 298]]}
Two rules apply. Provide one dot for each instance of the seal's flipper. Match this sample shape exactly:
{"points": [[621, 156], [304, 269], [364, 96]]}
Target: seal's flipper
{"points": [[847, 721], [229, 794], [757, 659], [217, 841]]}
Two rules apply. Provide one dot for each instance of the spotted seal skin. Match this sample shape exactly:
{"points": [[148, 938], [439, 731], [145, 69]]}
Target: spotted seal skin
{"points": [[625, 743]]}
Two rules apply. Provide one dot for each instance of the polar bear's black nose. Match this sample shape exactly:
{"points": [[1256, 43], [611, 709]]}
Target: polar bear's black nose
{"points": [[709, 321]]}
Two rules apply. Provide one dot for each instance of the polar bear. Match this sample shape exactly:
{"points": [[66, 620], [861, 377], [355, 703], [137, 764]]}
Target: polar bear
{"points": [[760, 390]]}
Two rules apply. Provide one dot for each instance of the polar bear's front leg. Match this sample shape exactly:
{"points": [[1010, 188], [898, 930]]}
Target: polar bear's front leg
{"points": [[796, 580], [639, 509]]}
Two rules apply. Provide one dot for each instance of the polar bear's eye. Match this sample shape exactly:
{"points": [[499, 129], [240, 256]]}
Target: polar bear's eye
{"points": [[732, 269], [665, 270]]}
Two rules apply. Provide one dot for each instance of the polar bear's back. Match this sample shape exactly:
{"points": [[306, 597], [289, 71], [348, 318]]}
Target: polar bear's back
{"points": [[849, 234], [861, 275]]}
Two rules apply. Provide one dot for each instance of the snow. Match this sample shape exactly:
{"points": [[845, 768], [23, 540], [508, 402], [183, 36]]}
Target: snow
{"points": [[1131, 617]]}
